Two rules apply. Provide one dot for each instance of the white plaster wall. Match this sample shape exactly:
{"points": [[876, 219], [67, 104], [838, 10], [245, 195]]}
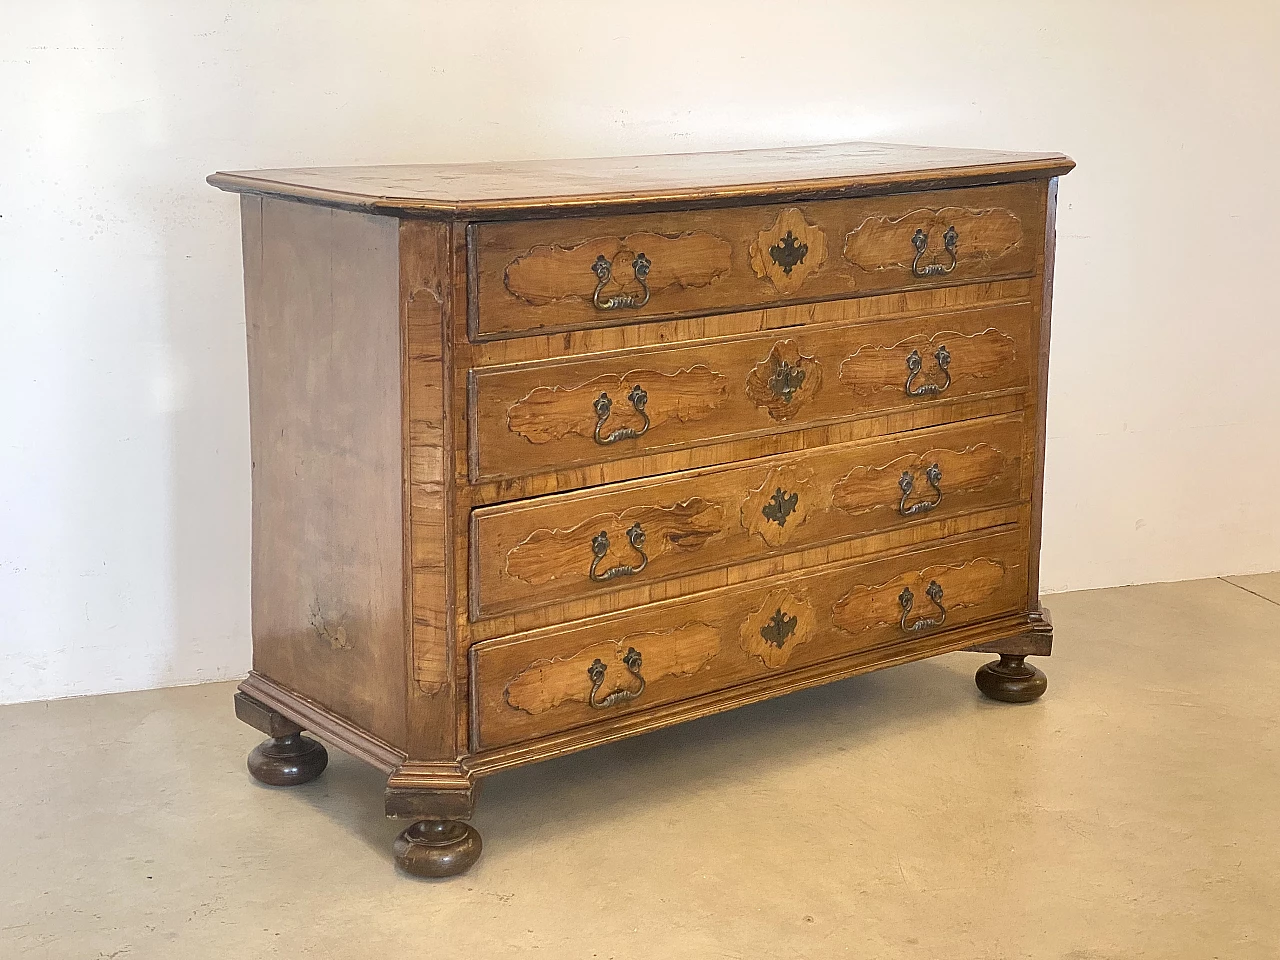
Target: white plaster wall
{"points": [[124, 545]]}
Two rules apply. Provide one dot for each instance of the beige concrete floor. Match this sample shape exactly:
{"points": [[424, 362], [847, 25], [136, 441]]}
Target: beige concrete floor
{"points": [[1133, 812]]}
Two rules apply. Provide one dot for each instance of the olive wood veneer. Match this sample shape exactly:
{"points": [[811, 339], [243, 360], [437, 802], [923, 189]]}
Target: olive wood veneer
{"points": [[550, 453]]}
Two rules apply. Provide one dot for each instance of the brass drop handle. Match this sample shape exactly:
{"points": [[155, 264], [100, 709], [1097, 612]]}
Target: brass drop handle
{"points": [[600, 547], [633, 662], [603, 269], [915, 364], [907, 599], [604, 405], [920, 240], [933, 474]]}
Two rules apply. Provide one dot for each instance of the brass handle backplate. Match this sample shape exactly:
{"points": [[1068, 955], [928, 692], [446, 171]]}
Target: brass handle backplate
{"points": [[915, 364], [604, 405], [907, 599], [600, 547], [920, 240], [633, 662], [933, 474], [603, 269]]}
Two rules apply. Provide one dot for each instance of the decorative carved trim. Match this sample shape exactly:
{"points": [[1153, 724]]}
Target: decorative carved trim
{"points": [[546, 555], [756, 508], [868, 488], [551, 273], [784, 381], [874, 606], [886, 243], [876, 367], [546, 684], [789, 252], [783, 623], [554, 412]]}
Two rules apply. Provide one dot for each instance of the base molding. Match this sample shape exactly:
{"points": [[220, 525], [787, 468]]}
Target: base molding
{"points": [[321, 723], [431, 790], [261, 717], [1035, 641], [421, 789]]}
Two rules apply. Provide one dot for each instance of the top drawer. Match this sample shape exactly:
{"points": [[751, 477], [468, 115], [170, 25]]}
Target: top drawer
{"points": [[551, 275]]}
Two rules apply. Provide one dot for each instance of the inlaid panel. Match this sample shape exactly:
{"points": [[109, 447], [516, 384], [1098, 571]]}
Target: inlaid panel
{"points": [[546, 275], [604, 542], [539, 684], [538, 417]]}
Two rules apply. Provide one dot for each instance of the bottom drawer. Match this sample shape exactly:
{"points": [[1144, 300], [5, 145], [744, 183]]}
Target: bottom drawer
{"points": [[553, 680]]}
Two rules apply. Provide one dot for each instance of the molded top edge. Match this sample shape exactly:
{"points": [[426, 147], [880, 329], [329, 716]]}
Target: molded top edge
{"points": [[504, 189]]}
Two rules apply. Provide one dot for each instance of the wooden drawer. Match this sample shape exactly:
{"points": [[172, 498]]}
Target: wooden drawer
{"points": [[604, 543], [539, 417], [528, 687], [550, 275]]}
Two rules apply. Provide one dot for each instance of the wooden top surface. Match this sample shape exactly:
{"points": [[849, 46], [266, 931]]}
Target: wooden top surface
{"points": [[514, 188]]}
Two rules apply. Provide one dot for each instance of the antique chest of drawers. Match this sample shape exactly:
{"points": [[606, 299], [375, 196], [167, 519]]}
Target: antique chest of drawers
{"points": [[547, 454]]}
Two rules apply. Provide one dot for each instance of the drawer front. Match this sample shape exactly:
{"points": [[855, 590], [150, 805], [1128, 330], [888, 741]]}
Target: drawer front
{"points": [[528, 687], [536, 418], [602, 543], [551, 275]]}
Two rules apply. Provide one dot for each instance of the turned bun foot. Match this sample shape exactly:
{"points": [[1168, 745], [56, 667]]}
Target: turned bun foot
{"points": [[437, 848], [1011, 679], [287, 761]]}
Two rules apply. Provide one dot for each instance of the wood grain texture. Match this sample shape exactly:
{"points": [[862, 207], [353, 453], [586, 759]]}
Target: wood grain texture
{"points": [[631, 592], [874, 607], [962, 471], [550, 413], [872, 309], [323, 723], [778, 509], [550, 273], [435, 696], [322, 310], [533, 276], [1039, 401], [784, 381], [985, 237], [770, 684], [514, 408], [523, 188], [548, 555], [779, 627], [678, 652], [977, 360], [788, 252], [728, 614], [533, 554], [424, 275]]}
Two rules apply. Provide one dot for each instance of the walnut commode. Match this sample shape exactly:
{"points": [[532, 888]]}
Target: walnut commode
{"points": [[547, 454]]}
